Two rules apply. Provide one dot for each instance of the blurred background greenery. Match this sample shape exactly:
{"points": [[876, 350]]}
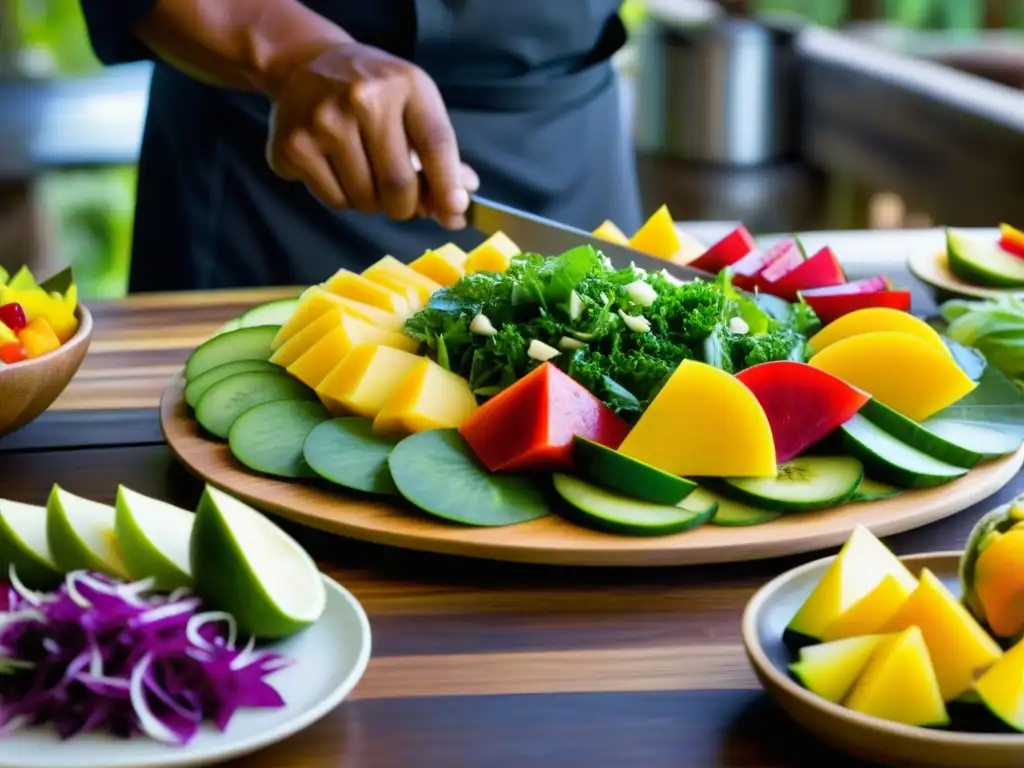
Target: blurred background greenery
{"points": [[92, 210]]}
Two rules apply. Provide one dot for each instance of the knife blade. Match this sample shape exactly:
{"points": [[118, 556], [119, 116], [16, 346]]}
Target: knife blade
{"points": [[550, 238]]}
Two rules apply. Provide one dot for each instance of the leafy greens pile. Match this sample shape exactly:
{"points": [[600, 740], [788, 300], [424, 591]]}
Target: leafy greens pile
{"points": [[579, 304], [994, 327]]}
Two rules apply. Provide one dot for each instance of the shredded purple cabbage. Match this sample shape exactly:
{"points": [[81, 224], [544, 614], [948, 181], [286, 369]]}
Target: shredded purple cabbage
{"points": [[100, 654]]}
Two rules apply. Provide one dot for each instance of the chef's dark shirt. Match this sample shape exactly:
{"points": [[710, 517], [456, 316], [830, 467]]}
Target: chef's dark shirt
{"points": [[530, 89]]}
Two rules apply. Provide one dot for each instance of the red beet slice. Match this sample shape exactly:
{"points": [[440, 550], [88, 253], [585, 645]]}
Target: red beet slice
{"points": [[746, 270], [726, 251], [867, 285], [822, 270], [829, 308]]}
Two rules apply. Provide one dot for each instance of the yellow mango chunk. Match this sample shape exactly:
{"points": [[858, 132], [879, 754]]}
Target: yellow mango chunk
{"points": [[609, 231], [298, 344], [831, 669], [871, 612], [389, 265], [899, 683], [399, 286], [658, 236], [900, 370], [1001, 688], [316, 362], [38, 338], [999, 583], [364, 379], [862, 564], [875, 319], [443, 270], [691, 425], [358, 288], [317, 301], [7, 336], [429, 397], [492, 255], [959, 647]]}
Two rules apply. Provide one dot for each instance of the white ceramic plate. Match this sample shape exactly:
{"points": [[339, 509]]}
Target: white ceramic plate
{"points": [[931, 267], [330, 658]]}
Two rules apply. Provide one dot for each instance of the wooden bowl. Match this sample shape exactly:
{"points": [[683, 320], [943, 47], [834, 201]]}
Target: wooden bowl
{"points": [[865, 737], [28, 388]]}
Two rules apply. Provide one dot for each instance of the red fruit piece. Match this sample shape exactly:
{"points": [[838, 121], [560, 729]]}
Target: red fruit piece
{"points": [[867, 285], [726, 251], [530, 425], [803, 403], [793, 259], [13, 316], [820, 271], [12, 353], [829, 308], [746, 270], [1011, 240]]}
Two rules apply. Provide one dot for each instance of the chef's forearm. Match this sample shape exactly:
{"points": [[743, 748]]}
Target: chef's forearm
{"points": [[240, 44]]}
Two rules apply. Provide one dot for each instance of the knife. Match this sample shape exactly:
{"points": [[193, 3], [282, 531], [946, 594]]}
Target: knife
{"points": [[550, 238]]}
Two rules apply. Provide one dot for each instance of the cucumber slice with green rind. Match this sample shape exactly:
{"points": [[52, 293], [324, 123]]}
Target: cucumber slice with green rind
{"points": [[231, 325], [438, 472], [806, 483], [229, 398], [198, 386], [981, 262], [873, 490], [983, 440], [732, 513], [893, 461], [347, 452], [243, 344], [277, 312], [595, 507], [623, 474], [269, 437], [918, 436]]}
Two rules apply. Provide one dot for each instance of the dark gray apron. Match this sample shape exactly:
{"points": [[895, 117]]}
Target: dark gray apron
{"points": [[539, 119]]}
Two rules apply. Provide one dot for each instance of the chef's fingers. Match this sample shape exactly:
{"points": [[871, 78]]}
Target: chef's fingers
{"points": [[432, 136], [340, 137], [469, 180], [297, 157], [395, 178]]}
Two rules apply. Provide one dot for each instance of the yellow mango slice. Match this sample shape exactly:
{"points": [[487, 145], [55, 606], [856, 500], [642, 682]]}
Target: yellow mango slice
{"points": [[399, 286], [610, 232], [1001, 688], [364, 379], [316, 362], [358, 288], [441, 269], [492, 255], [7, 336], [317, 301], [875, 319], [831, 669], [871, 612], [861, 565], [900, 370], [38, 338], [389, 265], [958, 646], [899, 683], [658, 236], [429, 397], [691, 425], [999, 583], [298, 344]]}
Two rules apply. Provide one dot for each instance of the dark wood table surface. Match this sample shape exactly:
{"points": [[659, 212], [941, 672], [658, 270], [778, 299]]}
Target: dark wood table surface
{"points": [[474, 663]]}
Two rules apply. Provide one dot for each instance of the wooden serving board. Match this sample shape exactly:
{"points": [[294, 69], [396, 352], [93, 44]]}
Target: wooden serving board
{"points": [[553, 540]]}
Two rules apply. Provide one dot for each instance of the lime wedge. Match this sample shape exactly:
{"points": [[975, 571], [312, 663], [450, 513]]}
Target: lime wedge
{"points": [[23, 545], [153, 538], [245, 565], [80, 533]]}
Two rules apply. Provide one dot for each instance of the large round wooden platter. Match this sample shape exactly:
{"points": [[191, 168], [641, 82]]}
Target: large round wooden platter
{"points": [[553, 540]]}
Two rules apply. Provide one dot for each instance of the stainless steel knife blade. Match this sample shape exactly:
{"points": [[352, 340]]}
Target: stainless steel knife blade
{"points": [[550, 238]]}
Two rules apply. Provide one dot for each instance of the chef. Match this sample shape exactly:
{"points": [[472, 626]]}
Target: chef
{"points": [[286, 139]]}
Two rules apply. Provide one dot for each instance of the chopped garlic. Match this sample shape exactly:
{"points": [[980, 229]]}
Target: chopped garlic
{"points": [[738, 325], [567, 342], [670, 277], [638, 324], [538, 350], [576, 306], [603, 296], [639, 270], [481, 325], [582, 335], [607, 262], [642, 293]]}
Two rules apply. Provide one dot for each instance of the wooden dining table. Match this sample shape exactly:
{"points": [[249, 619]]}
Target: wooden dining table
{"points": [[477, 664]]}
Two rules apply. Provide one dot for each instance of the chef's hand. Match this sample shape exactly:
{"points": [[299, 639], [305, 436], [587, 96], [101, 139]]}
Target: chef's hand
{"points": [[347, 121]]}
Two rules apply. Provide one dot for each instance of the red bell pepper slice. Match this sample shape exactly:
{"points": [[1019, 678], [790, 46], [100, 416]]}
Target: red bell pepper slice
{"points": [[803, 404], [829, 308], [12, 352], [530, 425], [820, 271], [726, 251], [745, 271], [1011, 240], [867, 285]]}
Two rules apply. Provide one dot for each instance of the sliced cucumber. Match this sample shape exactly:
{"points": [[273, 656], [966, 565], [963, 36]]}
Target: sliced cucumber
{"points": [[801, 485], [981, 262], [231, 325], [873, 490], [243, 344], [198, 386], [229, 398], [893, 461], [269, 437], [276, 312], [605, 510], [617, 472], [437, 471], [918, 436], [732, 513], [983, 440], [347, 452]]}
